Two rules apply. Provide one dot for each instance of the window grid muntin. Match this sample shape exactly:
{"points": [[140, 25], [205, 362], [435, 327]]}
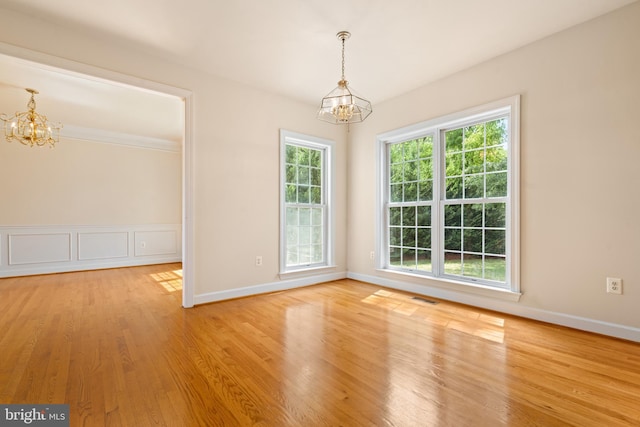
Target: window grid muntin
{"points": [[304, 179], [304, 239], [463, 252], [485, 198], [305, 192], [406, 169], [404, 237], [463, 176]]}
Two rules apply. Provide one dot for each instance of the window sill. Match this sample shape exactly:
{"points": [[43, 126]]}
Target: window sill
{"points": [[459, 286], [301, 272]]}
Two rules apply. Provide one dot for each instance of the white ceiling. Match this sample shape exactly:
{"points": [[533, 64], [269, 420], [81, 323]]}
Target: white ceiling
{"points": [[90, 103], [290, 46]]}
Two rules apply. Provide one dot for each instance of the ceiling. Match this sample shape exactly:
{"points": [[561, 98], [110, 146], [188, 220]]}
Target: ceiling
{"points": [[92, 108], [290, 46]]}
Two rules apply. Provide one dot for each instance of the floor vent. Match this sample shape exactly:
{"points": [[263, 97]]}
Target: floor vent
{"points": [[428, 301]]}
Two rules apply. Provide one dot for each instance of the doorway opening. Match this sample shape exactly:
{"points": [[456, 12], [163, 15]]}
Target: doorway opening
{"points": [[103, 98]]}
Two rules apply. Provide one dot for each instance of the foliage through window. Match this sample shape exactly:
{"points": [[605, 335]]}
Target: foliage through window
{"points": [[448, 191]]}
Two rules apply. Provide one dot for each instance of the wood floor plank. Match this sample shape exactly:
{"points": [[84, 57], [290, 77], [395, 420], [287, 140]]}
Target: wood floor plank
{"points": [[117, 347]]}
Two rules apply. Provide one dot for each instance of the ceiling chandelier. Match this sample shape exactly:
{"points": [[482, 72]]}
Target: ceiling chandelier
{"points": [[31, 128], [342, 105]]}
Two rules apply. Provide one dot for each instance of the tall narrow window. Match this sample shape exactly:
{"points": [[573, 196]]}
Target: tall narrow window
{"points": [[449, 197], [305, 202]]}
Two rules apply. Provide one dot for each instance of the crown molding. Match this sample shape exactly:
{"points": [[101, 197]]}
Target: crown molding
{"points": [[110, 137]]}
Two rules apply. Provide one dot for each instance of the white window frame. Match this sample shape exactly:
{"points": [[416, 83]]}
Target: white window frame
{"points": [[436, 127], [328, 173]]}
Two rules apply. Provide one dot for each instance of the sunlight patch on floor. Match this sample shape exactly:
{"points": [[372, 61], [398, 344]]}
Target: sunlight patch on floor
{"points": [[170, 280], [390, 301], [474, 323]]}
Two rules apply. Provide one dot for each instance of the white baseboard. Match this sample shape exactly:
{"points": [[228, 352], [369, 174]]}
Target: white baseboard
{"points": [[562, 319], [30, 250], [67, 268], [576, 322], [268, 287]]}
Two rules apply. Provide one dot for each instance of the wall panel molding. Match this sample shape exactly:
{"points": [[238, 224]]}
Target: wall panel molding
{"points": [[28, 250], [103, 245], [156, 242], [38, 248]]}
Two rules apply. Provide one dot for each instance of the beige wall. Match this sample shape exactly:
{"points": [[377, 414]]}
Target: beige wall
{"points": [[580, 147], [237, 182], [88, 183]]}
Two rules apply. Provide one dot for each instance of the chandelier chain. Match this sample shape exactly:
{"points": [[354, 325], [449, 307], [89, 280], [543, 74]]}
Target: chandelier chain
{"points": [[31, 105], [343, 59]]}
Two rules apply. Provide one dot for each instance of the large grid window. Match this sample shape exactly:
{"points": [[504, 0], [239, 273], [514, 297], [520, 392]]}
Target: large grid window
{"points": [[448, 197], [305, 210]]}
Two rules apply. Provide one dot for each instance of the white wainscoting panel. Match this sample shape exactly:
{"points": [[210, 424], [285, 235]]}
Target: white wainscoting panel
{"points": [[27, 250], [103, 245], [156, 242], [38, 248]]}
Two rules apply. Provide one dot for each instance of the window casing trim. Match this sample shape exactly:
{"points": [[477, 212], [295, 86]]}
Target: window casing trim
{"points": [[327, 148], [508, 106], [458, 286]]}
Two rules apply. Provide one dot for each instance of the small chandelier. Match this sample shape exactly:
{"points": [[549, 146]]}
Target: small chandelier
{"points": [[342, 105], [31, 128]]}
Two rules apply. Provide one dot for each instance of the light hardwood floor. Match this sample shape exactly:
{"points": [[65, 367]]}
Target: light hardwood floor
{"points": [[117, 347]]}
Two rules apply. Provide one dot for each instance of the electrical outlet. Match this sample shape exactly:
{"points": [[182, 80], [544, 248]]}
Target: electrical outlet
{"points": [[614, 285], [259, 261], [372, 255]]}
